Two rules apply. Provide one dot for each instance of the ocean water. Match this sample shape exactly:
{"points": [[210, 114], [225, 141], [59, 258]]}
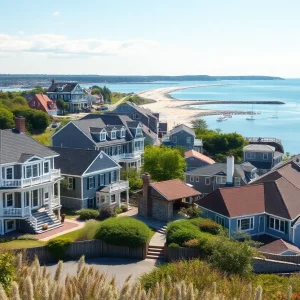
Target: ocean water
{"points": [[286, 127]]}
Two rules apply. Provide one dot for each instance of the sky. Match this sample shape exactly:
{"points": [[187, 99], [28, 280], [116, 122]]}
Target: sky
{"points": [[150, 37]]}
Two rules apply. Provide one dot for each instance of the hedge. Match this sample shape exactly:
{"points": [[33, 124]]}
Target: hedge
{"points": [[87, 214], [58, 247], [207, 225], [124, 231]]}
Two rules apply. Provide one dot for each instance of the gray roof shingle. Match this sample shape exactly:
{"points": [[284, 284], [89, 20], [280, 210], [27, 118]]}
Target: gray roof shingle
{"points": [[67, 87], [18, 147], [182, 127]]}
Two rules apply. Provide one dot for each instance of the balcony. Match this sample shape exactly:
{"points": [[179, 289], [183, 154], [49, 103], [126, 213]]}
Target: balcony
{"points": [[121, 185], [15, 183], [127, 156]]}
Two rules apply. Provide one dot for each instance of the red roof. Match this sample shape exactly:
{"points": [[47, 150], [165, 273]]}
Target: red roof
{"points": [[45, 101], [193, 153], [174, 189], [278, 247]]}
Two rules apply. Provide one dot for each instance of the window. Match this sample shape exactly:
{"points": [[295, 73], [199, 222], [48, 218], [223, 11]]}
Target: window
{"points": [[136, 116], [207, 180], [119, 149], [9, 173], [113, 176], [101, 180], [113, 199], [174, 139], [102, 199], [9, 200], [46, 167], [70, 183], [102, 136], [33, 103], [46, 195], [113, 135], [279, 225], [265, 156], [32, 171], [91, 183], [221, 180], [191, 178], [139, 131], [123, 132], [188, 139], [27, 198], [245, 224], [250, 155], [10, 225], [237, 181], [35, 198], [197, 179], [220, 220]]}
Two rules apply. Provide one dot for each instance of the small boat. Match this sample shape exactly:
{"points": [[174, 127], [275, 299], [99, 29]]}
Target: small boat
{"points": [[221, 119], [251, 118]]}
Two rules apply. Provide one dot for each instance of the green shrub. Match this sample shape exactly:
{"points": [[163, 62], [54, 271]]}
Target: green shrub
{"points": [[207, 225], [89, 230], [118, 210], [191, 212], [192, 243], [58, 246], [28, 237], [124, 231], [173, 245], [105, 212], [124, 207], [87, 214], [7, 270]]}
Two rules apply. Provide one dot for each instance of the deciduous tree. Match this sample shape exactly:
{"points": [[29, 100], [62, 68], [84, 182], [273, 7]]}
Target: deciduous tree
{"points": [[6, 119]]}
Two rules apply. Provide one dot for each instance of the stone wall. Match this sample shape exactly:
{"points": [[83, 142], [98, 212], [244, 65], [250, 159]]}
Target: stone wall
{"points": [[160, 209]]}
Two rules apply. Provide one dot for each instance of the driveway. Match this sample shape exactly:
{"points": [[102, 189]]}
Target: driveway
{"points": [[121, 268]]}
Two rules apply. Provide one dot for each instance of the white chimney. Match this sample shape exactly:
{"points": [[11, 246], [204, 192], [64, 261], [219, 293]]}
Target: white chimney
{"points": [[230, 168]]}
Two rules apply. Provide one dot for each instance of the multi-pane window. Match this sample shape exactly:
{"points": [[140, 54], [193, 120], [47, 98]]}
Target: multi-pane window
{"points": [[9, 173], [35, 198], [91, 182], [237, 181], [70, 183], [123, 132], [245, 224], [265, 156], [113, 176], [279, 225], [10, 225], [139, 131], [188, 139], [113, 198], [220, 220], [207, 180], [32, 171], [250, 155], [191, 178], [197, 178], [102, 136], [221, 180], [46, 167], [9, 200], [113, 135]]}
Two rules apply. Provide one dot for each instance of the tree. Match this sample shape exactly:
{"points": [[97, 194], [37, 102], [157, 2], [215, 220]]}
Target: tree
{"points": [[106, 93], [21, 101], [133, 177], [199, 124], [96, 91], [7, 270], [62, 105], [6, 119], [164, 163]]}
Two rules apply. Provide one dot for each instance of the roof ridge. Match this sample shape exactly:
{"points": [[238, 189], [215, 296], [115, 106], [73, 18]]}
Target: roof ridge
{"points": [[279, 192], [240, 186]]}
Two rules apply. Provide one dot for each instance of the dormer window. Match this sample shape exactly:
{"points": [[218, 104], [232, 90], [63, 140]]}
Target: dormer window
{"points": [[113, 135], [139, 131], [136, 116], [102, 136], [123, 132]]}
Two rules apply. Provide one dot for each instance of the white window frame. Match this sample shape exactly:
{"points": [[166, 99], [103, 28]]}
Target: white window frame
{"points": [[113, 134], [189, 139], [207, 181], [38, 199], [220, 220], [91, 182], [274, 224], [123, 132], [12, 198], [70, 184], [112, 202], [191, 178], [251, 224], [197, 178], [220, 180], [237, 181], [102, 180], [103, 136], [113, 176], [14, 225], [119, 149], [136, 116], [31, 170], [12, 172], [46, 162], [265, 156], [250, 155], [139, 131]]}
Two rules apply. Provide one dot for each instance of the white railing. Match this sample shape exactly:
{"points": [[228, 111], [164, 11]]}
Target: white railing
{"points": [[119, 185], [33, 221], [134, 155], [26, 211], [11, 211], [55, 201], [54, 174]]}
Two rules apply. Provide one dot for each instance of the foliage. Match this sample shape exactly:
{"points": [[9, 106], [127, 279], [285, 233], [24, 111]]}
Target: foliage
{"points": [[58, 246], [62, 105], [164, 163], [27, 237], [7, 269], [88, 231], [124, 207], [118, 210], [199, 125], [134, 178], [173, 245], [124, 231], [105, 92], [18, 100], [36, 120], [105, 212], [45, 137], [191, 212], [207, 225], [6, 119], [138, 100], [87, 214]]}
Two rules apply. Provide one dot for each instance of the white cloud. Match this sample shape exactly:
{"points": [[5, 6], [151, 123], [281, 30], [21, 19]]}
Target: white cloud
{"points": [[56, 14], [61, 45]]}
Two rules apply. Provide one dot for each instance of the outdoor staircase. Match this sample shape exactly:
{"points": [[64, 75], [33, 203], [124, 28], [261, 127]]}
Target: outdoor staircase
{"points": [[155, 252], [42, 218], [162, 230]]}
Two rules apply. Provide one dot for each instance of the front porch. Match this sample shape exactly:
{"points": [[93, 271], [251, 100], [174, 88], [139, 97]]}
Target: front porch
{"points": [[114, 194]]}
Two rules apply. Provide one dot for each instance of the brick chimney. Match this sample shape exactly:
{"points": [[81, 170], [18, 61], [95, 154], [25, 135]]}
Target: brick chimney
{"points": [[20, 124], [145, 205], [230, 168]]}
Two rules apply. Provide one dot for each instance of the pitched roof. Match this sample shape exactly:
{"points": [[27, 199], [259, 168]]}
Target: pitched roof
{"points": [[193, 153], [184, 128], [259, 147], [15, 147], [67, 87], [142, 110], [45, 101], [279, 198], [278, 247], [76, 161], [174, 189]]}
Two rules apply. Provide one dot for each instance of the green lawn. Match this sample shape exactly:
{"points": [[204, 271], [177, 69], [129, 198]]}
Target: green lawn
{"points": [[21, 244], [73, 235], [44, 138], [116, 97]]}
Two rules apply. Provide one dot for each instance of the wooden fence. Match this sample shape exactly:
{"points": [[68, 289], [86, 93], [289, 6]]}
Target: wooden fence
{"points": [[92, 248], [287, 258]]}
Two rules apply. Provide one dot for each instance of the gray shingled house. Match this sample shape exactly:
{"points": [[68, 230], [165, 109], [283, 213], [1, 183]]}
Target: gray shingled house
{"points": [[92, 179], [118, 136]]}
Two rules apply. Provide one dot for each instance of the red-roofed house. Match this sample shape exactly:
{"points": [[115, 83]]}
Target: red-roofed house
{"points": [[160, 200], [44, 103], [195, 159]]}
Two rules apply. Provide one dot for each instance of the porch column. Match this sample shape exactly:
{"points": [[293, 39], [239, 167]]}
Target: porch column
{"points": [[2, 227], [58, 192], [22, 204], [127, 198]]}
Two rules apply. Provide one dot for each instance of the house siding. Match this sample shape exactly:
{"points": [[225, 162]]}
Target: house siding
{"points": [[181, 140], [193, 163], [212, 215], [297, 236], [66, 138], [259, 224]]}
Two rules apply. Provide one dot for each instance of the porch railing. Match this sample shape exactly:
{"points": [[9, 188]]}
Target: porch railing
{"points": [[55, 201], [11, 211], [54, 174], [33, 221]]}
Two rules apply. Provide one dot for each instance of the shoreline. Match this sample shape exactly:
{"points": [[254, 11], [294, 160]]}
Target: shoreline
{"points": [[174, 111]]}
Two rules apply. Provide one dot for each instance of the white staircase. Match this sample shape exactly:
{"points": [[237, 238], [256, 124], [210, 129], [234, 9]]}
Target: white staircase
{"points": [[38, 219]]}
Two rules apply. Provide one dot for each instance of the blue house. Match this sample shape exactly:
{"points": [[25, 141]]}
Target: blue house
{"points": [[269, 206], [183, 136]]}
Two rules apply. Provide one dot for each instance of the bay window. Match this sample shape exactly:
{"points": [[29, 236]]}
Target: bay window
{"points": [[278, 224]]}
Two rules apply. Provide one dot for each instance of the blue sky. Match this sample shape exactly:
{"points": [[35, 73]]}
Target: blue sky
{"points": [[215, 37]]}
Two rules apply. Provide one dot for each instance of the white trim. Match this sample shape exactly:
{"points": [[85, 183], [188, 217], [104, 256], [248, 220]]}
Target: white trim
{"points": [[13, 200], [62, 196], [49, 168], [12, 173], [5, 226], [213, 211], [240, 227], [247, 156], [264, 156], [209, 178], [91, 181]]}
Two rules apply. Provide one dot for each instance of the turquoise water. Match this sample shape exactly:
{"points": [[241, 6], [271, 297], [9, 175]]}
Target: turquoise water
{"points": [[286, 127]]}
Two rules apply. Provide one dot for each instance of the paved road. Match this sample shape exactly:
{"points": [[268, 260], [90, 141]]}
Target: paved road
{"points": [[119, 267]]}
